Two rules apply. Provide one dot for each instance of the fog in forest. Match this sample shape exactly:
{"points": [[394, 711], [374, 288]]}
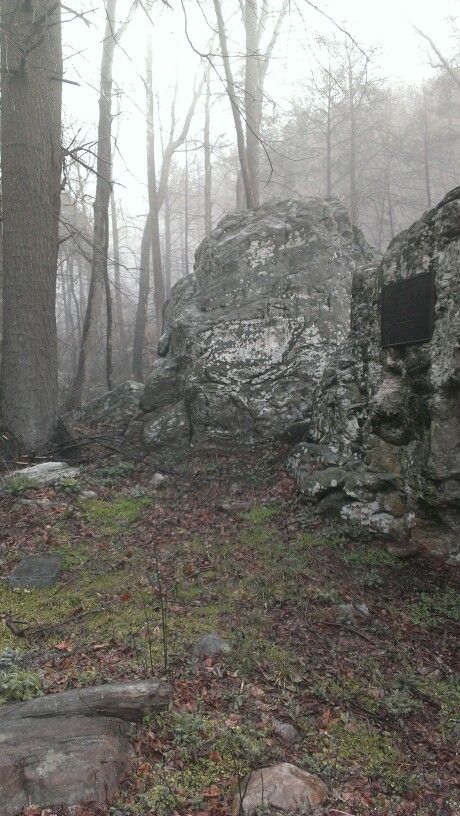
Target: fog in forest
{"points": [[356, 104], [229, 407]]}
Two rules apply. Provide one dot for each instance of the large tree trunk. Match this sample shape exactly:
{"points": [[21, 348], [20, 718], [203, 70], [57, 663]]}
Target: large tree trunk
{"points": [[90, 340], [31, 175]]}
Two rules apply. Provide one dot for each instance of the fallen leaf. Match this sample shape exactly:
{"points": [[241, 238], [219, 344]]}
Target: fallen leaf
{"points": [[212, 792], [64, 646]]}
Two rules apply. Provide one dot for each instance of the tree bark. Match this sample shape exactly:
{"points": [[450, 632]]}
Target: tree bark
{"points": [[98, 283], [352, 154], [252, 96], [186, 217], [120, 323], [207, 158], [142, 303], [167, 246], [230, 88], [31, 175], [157, 265]]}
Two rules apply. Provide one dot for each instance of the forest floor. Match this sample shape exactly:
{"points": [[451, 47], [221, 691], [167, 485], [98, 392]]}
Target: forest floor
{"points": [[371, 690]]}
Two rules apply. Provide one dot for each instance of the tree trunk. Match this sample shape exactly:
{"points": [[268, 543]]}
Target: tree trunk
{"points": [[186, 217], [98, 283], [426, 153], [329, 137], [157, 266], [120, 324], [230, 88], [167, 246], [142, 303], [31, 174], [252, 96], [207, 159], [352, 155]]}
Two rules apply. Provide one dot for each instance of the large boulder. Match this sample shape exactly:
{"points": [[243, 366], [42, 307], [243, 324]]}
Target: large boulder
{"points": [[248, 335], [390, 417], [69, 748]]}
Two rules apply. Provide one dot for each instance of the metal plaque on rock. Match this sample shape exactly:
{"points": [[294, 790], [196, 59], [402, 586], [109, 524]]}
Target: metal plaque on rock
{"points": [[36, 571], [408, 311]]}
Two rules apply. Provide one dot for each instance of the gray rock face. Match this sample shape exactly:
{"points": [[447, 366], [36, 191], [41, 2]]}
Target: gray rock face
{"points": [[282, 787], [46, 473], [212, 644], [248, 335], [391, 417], [72, 747]]}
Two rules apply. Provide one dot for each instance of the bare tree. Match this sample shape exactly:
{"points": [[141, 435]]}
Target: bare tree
{"points": [[257, 60], [158, 187], [99, 282], [31, 179], [207, 157]]}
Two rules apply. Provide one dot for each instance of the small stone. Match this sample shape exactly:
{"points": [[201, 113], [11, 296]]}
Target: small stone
{"points": [[345, 613], [236, 488], [287, 732], [32, 504], [137, 492], [400, 549], [211, 645], [45, 473], [235, 507], [363, 609], [158, 481], [36, 571], [283, 787], [88, 494], [11, 659]]}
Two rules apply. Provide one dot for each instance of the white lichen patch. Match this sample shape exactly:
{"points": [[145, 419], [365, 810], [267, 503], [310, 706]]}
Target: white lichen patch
{"points": [[259, 253]]}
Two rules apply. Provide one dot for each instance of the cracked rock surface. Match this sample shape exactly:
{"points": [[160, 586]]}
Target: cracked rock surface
{"points": [[248, 335]]}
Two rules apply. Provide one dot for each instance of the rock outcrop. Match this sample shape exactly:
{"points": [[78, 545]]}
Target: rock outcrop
{"points": [[384, 445], [72, 747], [248, 335]]}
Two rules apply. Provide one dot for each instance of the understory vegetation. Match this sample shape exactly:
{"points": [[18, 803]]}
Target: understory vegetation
{"points": [[327, 632]]}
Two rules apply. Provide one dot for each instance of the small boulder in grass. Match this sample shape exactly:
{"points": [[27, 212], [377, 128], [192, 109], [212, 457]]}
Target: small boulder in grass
{"points": [[158, 481], [286, 732], [283, 787], [88, 494], [211, 645]]}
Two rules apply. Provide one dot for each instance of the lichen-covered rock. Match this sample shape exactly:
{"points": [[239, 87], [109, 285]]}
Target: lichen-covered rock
{"points": [[280, 788], [73, 747], [46, 473], [392, 416], [248, 335]]}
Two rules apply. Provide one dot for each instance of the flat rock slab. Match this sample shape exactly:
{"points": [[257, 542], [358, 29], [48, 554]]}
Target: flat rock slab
{"points": [[36, 571], [73, 747], [46, 473]]}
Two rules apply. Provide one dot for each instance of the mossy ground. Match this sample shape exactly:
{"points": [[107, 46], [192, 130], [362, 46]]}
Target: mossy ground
{"points": [[144, 575]]}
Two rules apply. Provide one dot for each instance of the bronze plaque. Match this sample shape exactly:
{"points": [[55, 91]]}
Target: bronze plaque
{"points": [[408, 311]]}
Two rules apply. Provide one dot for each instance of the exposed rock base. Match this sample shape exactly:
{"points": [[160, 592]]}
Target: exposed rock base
{"points": [[72, 747], [384, 443]]}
